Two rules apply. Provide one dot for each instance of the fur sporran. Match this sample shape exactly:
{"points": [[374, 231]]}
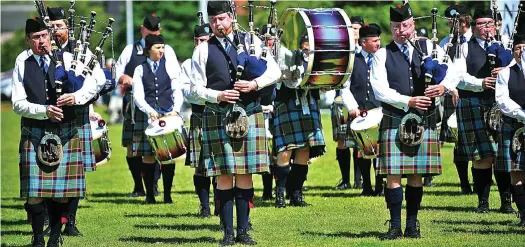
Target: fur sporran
{"points": [[493, 118], [236, 122], [50, 150], [517, 141], [411, 130]]}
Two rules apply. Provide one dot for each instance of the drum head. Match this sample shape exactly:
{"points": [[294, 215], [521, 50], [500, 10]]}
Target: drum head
{"points": [[172, 123], [330, 49], [452, 121], [373, 118], [96, 129]]}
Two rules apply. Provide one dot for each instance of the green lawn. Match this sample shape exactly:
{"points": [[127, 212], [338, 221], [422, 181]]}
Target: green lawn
{"points": [[110, 218]]}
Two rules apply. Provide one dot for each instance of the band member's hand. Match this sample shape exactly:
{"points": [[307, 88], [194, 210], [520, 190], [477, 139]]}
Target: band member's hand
{"points": [[455, 96], [54, 113], [354, 113], [495, 72], [245, 86], [229, 96], [95, 116], [154, 115], [489, 83], [126, 80], [420, 102], [434, 91], [66, 100]]}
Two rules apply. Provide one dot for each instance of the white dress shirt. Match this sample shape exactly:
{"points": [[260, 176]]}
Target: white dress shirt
{"points": [[198, 70], [31, 110], [348, 98], [379, 78], [508, 106], [468, 36], [138, 88], [125, 56], [185, 80]]}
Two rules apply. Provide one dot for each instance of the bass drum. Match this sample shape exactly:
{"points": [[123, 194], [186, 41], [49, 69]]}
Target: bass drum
{"points": [[100, 144], [331, 51]]}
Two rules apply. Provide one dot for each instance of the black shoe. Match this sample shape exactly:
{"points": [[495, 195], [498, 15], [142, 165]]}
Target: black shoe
{"points": [[137, 194], [227, 240], [367, 193], [521, 216], [413, 231], [71, 228], [466, 190], [427, 181], [204, 212], [280, 202], [506, 204], [297, 199], [343, 186], [393, 233], [156, 190], [244, 238], [483, 207], [358, 185], [379, 193], [47, 231], [250, 226], [38, 241], [266, 197], [167, 198], [55, 240], [150, 200]]}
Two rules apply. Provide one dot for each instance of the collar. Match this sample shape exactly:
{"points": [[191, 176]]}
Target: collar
{"points": [[143, 43], [65, 44], [150, 62], [481, 42], [37, 57], [399, 45], [468, 34], [221, 40], [364, 53]]}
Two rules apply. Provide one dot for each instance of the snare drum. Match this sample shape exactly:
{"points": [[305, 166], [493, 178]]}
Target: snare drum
{"points": [[100, 144], [331, 45], [452, 123], [167, 136], [366, 132]]}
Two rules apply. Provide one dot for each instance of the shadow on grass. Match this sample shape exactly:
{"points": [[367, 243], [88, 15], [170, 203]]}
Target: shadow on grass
{"points": [[21, 206], [181, 227], [13, 222], [474, 222], [168, 240], [334, 194], [374, 234], [167, 215], [119, 201], [320, 187], [24, 245], [17, 232], [444, 193], [486, 231], [450, 208]]}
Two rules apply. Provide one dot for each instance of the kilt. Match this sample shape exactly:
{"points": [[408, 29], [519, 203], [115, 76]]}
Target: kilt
{"points": [[67, 179], [506, 161], [396, 158], [193, 158], [86, 138], [473, 131], [223, 155], [294, 130], [141, 145], [127, 127], [448, 109]]}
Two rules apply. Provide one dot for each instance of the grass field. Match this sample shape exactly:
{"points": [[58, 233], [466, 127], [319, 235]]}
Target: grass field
{"points": [[110, 218]]}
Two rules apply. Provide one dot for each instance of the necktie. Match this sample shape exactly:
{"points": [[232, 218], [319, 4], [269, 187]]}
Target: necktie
{"points": [[404, 49], [155, 67], [369, 62], [226, 45], [43, 64], [462, 39], [486, 45]]}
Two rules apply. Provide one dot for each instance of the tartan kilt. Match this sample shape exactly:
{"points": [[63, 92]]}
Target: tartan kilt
{"points": [[477, 139], [449, 109], [294, 130], [506, 161], [127, 127], [222, 155], [193, 157], [396, 158], [66, 179], [141, 145], [86, 138]]}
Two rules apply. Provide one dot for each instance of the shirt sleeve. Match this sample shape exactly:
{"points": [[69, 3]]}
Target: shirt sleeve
{"points": [[138, 92], [174, 73], [122, 61], [21, 106], [379, 81], [466, 81], [348, 98], [170, 55], [508, 106], [198, 79]]}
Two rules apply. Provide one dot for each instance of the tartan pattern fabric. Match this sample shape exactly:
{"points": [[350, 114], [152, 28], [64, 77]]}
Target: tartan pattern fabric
{"points": [[67, 179], [396, 158], [506, 161], [127, 127], [141, 145], [473, 129], [223, 155], [448, 110], [294, 130], [86, 138], [193, 157]]}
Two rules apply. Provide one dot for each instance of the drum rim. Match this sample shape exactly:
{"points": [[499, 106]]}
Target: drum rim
{"points": [[167, 132], [378, 109]]}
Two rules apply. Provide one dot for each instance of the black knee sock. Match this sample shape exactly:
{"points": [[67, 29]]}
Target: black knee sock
{"points": [[482, 182], [503, 182], [57, 210], [73, 206], [242, 199], [413, 197], [394, 199], [135, 168], [462, 168], [343, 158], [267, 180], [364, 167], [202, 189], [300, 174], [149, 175], [168, 173], [37, 213], [281, 175], [225, 199], [518, 194], [357, 170]]}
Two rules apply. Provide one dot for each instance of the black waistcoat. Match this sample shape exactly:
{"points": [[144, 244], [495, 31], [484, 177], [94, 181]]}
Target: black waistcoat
{"points": [[517, 86], [135, 59], [361, 87], [477, 66], [157, 87]]}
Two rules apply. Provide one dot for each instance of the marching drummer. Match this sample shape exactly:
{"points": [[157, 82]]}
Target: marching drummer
{"points": [[510, 96], [360, 96], [156, 93], [239, 154], [201, 34], [405, 98]]}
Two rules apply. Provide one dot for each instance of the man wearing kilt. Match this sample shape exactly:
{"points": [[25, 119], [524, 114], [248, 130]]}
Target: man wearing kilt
{"points": [[360, 96], [449, 101], [130, 58], [213, 80], [201, 34], [510, 96], [35, 99], [398, 81], [156, 92], [476, 93]]}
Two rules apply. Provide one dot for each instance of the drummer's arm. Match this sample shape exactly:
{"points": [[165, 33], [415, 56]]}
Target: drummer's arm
{"points": [[508, 106], [138, 92], [379, 81]]}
